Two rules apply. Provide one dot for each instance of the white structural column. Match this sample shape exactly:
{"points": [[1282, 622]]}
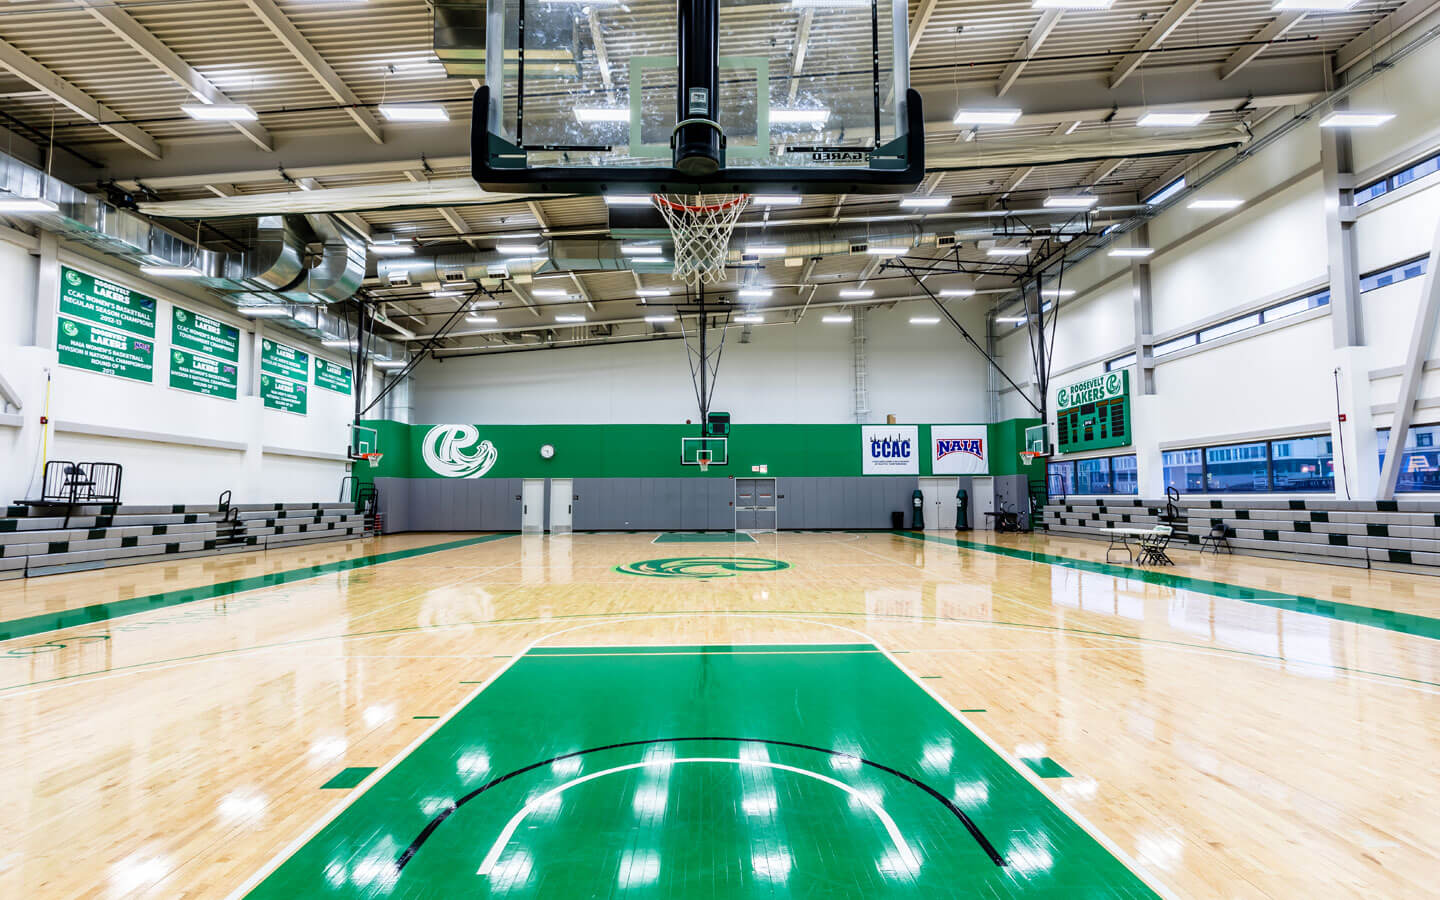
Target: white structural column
{"points": [[1143, 307], [1422, 339], [316, 65], [65, 93], [47, 290], [166, 60], [1046, 24], [1345, 310]]}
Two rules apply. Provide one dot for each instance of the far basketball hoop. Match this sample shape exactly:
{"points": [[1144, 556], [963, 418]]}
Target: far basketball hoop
{"points": [[1027, 457], [372, 458], [702, 459]]}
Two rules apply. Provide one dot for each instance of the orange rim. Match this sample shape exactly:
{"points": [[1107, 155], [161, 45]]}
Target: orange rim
{"points": [[716, 208]]}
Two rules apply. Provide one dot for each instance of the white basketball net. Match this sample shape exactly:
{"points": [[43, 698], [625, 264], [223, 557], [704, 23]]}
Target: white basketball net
{"points": [[701, 226]]}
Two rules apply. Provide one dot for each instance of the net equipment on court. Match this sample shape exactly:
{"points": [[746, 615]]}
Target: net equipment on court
{"points": [[701, 226]]}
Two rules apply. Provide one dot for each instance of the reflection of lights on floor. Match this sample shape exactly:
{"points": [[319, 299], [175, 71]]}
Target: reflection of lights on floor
{"points": [[1029, 751], [972, 793], [1163, 851], [375, 716], [937, 757], [771, 865], [542, 801], [472, 763], [512, 871], [751, 752], [242, 805], [899, 863], [1080, 788], [866, 796], [762, 803], [659, 753], [1030, 856], [638, 868], [650, 800], [846, 758], [138, 871], [568, 767], [327, 749], [433, 806]]}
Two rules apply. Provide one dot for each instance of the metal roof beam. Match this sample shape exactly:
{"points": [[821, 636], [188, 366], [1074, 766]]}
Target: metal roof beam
{"points": [[1401, 20], [1152, 39], [1048, 20], [923, 12], [1256, 45]]}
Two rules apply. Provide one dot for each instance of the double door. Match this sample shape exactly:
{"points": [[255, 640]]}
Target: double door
{"points": [[756, 505]]}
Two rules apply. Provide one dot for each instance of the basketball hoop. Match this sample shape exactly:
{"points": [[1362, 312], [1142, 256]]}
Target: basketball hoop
{"points": [[1028, 456], [372, 458], [701, 226], [702, 458]]}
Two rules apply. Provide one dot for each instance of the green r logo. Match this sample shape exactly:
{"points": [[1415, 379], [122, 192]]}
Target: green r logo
{"points": [[73, 278], [70, 329], [180, 315], [701, 567]]}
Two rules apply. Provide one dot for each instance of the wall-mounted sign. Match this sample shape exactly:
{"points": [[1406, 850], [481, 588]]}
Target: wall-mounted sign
{"points": [[282, 359], [203, 334], [203, 374], [283, 394], [83, 296], [958, 450], [96, 348], [1093, 414], [456, 451], [332, 376], [889, 450]]}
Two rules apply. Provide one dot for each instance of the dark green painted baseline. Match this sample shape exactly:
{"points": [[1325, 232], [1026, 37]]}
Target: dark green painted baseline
{"points": [[702, 772]]}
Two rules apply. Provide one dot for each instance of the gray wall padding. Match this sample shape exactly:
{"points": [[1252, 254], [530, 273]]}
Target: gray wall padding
{"points": [[819, 503], [450, 504], [654, 504]]}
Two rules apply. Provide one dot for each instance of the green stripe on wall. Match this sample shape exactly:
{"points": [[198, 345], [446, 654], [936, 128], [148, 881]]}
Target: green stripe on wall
{"points": [[104, 612]]}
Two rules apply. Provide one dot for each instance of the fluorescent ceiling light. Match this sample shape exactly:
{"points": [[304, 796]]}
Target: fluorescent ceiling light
{"points": [[887, 251], [569, 318], [481, 320], [652, 292], [27, 205], [776, 199], [829, 4], [549, 292], [1008, 251], [1072, 4], [517, 249], [1344, 118], [219, 112], [857, 293], [485, 304], [1136, 252], [641, 250], [336, 342], [263, 312], [1172, 119], [764, 250], [957, 292], [393, 249], [836, 319], [1071, 201], [628, 200], [749, 319], [1316, 5], [924, 202], [447, 293], [171, 271], [1217, 203], [415, 113], [659, 318], [1015, 320], [755, 293], [986, 116], [1053, 292], [815, 117], [588, 114], [390, 363], [924, 320]]}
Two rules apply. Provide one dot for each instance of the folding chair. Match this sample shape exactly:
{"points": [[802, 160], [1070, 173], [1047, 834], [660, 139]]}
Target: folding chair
{"points": [[1218, 537], [1152, 547]]}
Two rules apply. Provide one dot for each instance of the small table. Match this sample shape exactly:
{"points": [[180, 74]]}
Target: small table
{"points": [[1120, 540]]}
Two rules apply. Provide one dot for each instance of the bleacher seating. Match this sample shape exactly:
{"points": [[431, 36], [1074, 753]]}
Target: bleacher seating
{"points": [[1398, 535], [37, 540]]}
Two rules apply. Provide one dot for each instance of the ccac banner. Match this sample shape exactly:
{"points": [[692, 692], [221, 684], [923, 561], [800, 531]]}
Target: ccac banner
{"points": [[890, 450], [958, 450]]}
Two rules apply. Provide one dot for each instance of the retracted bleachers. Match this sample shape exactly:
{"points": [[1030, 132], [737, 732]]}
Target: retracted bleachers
{"points": [[36, 541], [1396, 535]]}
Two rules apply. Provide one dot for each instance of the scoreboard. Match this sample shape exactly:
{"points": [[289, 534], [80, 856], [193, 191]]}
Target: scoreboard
{"points": [[1093, 414]]}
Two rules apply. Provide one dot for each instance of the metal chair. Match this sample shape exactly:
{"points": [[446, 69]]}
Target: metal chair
{"points": [[1218, 537], [1152, 547]]}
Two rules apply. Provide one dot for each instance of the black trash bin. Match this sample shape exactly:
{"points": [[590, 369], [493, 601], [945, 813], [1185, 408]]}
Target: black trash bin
{"points": [[897, 520]]}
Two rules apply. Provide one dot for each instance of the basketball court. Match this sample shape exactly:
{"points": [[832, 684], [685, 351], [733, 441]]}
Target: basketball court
{"points": [[533, 449]]}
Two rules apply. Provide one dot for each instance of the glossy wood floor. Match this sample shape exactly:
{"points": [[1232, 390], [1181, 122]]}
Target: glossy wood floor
{"points": [[1222, 747]]}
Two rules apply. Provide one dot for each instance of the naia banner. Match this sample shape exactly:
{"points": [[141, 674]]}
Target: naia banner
{"points": [[890, 450], [958, 450]]}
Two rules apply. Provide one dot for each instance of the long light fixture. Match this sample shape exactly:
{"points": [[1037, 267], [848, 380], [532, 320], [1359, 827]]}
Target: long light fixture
{"points": [[336, 342], [1007, 251], [837, 319], [517, 249], [652, 292], [27, 205], [776, 199], [591, 114], [1314, 5], [749, 319], [263, 312], [628, 200], [1216, 203], [390, 363], [857, 293], [925, 202], [1073, 4], [417, 112], [830, 4], [219, 112], [986, 116], [444, 294], [924, 320], [481, 320], [763, 250], [814, 117], [659, 319], [1071, 201], [887, 251], [1346, 118], [1172, 119], [1055, 292], [1013, 320], [755, 293], [550, 292], [171, 271], [393, 249], [485, 304], [641, 249], [569, 318], [1132, 252], [957, 292]]}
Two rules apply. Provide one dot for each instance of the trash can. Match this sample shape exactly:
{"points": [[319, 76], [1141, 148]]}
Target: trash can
{"points": [[897, 521]]}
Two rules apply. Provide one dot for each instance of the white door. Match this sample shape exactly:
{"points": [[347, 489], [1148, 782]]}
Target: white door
{"points": [[939, 499], [532, 509], [982, 501], [562, 499]]}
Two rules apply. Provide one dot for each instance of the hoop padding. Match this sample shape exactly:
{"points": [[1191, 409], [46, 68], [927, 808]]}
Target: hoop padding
{"points": [[701, 227]]}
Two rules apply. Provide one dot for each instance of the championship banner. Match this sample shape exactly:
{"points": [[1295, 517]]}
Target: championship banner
{"points": [[283, 394], [958, 450], [202, 334], [96, 348], [332, 376], [282, 359], [102, 302], [203, 375], [889, 450]]}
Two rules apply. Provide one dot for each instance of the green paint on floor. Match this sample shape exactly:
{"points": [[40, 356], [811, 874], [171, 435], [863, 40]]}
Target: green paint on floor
{"points": [[346, 779], [702, 775], [971, 710], [426, 717], [1387, 619], [707, 537], [103, 612], [1045, 767], [701, 566]]}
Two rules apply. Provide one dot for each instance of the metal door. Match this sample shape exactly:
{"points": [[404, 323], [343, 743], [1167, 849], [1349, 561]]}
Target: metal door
{"points": [[755, 504], [532, 506], [939, 498], [562, 499]]}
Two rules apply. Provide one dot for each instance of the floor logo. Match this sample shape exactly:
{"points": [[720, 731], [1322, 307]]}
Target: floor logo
{"points": [[701, 566], [446, 451]]}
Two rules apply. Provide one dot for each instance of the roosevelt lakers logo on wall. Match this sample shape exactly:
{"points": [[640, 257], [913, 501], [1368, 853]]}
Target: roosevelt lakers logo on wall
{"points": [[701, 566], [452, 451]]}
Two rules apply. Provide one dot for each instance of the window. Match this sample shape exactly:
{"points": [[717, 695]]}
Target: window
{"points": [[1294, 307], [1166, 192], [1371, 191], [1177, 344], [1121, 363], [1060, 477], [1225, 329], [1123, 471], [1101, 475], [1399, 179], [1092, 476], [1403, 272], [1235, 468], [1303, 464], [1184, 471], [1284, 309], [1419, 459]]}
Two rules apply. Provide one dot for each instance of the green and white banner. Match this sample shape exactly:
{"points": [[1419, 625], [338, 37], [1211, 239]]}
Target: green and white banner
{"points": [[96, 348], [203, 375], [1093, 390], [92, 299], [283, 394], [332, 376], [203, 334], [282, 359]]}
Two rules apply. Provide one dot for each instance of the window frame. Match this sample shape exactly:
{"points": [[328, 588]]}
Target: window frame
{"points": [[1269, 445], [1074, 477]]}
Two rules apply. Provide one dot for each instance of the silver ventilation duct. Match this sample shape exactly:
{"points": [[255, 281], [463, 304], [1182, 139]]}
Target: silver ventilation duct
{"points": [[485, 266]]}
